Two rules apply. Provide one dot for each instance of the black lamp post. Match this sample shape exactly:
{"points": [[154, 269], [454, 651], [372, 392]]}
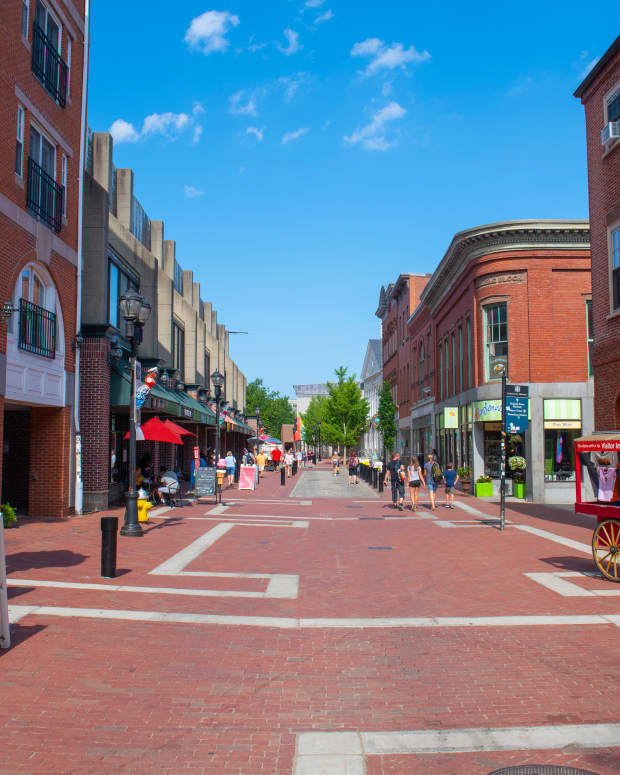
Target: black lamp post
{"points": [[500, 369], [135, 310], [218, 380], [319, 458], [257, 430]]}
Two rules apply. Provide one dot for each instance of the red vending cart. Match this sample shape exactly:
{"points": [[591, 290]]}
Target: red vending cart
{"points": [[606, 537]]}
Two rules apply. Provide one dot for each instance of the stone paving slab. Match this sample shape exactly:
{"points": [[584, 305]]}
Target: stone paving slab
{"points": [[317, 483]]}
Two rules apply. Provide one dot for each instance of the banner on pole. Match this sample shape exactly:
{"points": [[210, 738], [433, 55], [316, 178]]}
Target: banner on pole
{"points": [[517, 404]]}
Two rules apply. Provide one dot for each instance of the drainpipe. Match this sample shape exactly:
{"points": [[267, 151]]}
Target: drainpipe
{"points": [[79, 485]]}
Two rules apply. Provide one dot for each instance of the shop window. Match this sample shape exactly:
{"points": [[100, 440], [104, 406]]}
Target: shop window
{"points": [[496, 337], [615, 267], [559, 454], [590, 335]]}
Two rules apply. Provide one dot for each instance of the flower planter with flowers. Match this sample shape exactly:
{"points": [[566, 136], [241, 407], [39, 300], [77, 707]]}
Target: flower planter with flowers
{"points": [[518, 465], [484, 487], [464, 474]]}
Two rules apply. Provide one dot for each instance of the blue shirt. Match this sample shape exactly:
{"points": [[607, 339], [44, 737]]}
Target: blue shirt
{"points": [[450, 476], [230, 461]]}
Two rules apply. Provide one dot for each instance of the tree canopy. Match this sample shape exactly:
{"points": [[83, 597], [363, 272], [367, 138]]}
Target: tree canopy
{"points": [[387, 415], [345, 415], [275, 410]]}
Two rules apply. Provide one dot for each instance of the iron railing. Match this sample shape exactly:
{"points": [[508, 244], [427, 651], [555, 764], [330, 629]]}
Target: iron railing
{"points": [[44, 197], [48, 66], [37, 329]]}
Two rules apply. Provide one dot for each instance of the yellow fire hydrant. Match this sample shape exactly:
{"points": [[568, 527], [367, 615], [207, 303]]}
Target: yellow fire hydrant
{"points": [[144, 507]]}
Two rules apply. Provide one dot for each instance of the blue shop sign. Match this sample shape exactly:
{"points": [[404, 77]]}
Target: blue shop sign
{"points": [[516, 413]]}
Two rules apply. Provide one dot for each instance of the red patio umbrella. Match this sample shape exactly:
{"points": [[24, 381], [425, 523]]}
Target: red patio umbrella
{"points": [[178, 429], [156, 430]]}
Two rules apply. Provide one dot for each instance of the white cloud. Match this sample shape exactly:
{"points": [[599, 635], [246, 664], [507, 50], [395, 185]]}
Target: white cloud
{"points": [[385, 57], [167, 124], [123, 132], [207, 32], [313, 3], [294, 135], [197, 108], [324, 17], [372, 136], [254, 130], [255, 46], [293, 43], [191, 192], [588, 67], [237, 106], [291, 83], [197, 134], [386, 89]]}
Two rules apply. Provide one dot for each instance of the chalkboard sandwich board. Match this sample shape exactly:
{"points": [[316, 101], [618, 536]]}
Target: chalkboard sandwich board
{"points": [[205, 482]]}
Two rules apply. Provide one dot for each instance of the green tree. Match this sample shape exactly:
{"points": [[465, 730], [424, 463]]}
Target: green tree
{"points": [[313, 416], [387, 416], [275, 410], [346, 411]]}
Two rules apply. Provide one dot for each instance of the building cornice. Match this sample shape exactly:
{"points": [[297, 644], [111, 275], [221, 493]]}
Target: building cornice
{"points": [[504, 236]]}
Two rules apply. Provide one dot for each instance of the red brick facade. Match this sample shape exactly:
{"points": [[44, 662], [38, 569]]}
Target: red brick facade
{"points": [[596, 93], [41, 237]]}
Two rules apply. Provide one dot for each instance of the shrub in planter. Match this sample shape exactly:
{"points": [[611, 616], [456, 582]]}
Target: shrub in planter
{"points": [[464, 474], [9, 515]]}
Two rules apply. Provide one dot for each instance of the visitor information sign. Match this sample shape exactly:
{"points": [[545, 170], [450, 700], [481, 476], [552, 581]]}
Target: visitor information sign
{"points": [[517, 404]]}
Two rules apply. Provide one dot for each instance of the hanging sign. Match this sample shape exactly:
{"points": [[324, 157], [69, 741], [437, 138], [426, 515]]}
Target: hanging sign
{"points": [[450, 417]]}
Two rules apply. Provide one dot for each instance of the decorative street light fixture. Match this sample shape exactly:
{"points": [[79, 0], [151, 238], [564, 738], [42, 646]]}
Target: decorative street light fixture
{"points": [[500, 370], [257, 430], [218, 381], [319, 456], [164, 379], [135, 310]]}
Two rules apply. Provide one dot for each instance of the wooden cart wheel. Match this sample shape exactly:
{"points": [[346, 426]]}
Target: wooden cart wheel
{"points": [[606, 549]]}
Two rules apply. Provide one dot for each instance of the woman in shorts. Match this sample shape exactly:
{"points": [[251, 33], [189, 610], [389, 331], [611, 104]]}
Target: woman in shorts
{"points": [[336, 464], [415, 477]]}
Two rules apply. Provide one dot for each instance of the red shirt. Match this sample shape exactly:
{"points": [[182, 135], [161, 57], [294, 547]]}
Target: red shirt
{"points": [[276, 455]]}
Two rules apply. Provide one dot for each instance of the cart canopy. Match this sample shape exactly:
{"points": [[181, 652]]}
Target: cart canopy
{"points": [[598, 442]]}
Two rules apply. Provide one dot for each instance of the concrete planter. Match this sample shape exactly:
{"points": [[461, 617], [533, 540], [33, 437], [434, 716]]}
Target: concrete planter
{"points": [[484, 489]]}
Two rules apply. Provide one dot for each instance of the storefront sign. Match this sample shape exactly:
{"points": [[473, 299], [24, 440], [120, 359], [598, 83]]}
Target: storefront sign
{"points": [[186, 412], [562, 424], [450, 417], [487, 410]]}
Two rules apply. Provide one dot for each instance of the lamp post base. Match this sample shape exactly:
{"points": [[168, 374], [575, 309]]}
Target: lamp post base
{"points": [[131, 526]]}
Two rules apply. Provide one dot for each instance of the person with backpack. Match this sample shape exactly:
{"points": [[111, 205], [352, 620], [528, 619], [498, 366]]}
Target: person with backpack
{"points": [[395, 473], [434, 477], [415, 477], [353, 468]]}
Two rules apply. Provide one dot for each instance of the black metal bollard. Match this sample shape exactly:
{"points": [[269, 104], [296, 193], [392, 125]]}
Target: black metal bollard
{"points": [[375, 478], [237, 472], [294, 468], [282, 476], [380, 478], [109, 530]]}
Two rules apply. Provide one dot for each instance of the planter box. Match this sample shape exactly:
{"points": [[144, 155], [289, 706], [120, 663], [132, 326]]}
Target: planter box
{"points": [[518, 489], [465, 485], [484, 489]]}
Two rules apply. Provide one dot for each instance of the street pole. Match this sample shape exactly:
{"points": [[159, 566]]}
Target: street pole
{"points": [[319, 457], [502, 485]]}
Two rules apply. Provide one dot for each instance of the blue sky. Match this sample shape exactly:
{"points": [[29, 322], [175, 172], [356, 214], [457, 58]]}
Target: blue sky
{"points": [[304, 153]]}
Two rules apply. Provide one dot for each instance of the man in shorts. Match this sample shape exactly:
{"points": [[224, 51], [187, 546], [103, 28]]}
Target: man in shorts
{"points": [[433, 477], [450, 477], [396, 474]]}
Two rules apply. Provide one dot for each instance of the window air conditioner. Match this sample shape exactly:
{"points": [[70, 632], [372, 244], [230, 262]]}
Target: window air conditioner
{"points": [[610, 132]]}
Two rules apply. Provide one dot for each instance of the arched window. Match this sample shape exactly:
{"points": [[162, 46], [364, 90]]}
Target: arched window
{"points": [[36, 327]]}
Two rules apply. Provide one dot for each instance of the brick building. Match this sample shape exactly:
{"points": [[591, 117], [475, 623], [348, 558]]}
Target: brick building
{"points": [[124, 249], [600, 95], [41, 147], [396, 301], [517, 293]]}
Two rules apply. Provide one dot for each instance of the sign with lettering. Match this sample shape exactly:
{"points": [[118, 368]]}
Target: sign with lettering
{"points": [[247, 478], [517, 405], [205, 481]]}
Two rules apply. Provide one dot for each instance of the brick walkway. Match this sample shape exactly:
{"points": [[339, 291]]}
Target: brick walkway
{"points": [[274, 617]]}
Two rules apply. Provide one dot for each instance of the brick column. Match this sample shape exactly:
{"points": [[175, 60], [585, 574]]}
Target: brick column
{"points": [[95, 421], [50, 451]]}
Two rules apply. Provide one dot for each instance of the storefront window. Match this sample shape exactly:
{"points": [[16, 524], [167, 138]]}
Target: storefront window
{"points": [[559, 454], [492, 451]]}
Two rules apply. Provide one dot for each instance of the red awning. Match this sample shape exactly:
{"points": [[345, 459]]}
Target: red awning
{"points": [[156, 430], [178, 429]]}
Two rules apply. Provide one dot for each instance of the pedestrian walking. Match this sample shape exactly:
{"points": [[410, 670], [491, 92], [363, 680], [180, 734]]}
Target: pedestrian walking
{"points": [[276, 456], [415, 477], [299, 458], [261, 459], [395, 474], [336, 463], [231, 467], [434, 477], [288, 461], [450, 477], [353, 468]]}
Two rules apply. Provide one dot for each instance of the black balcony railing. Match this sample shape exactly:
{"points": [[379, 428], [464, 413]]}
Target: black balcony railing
{"points": [[48, 66], [37, 329], [44, 197]]}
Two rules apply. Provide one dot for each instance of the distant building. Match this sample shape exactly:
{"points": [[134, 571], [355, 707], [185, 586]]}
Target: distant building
{"points": [[600, 94], [305, 393], [372, 378]]}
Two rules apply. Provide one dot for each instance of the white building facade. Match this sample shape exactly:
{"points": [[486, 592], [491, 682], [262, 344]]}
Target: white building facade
{"points": [[371, 444]]}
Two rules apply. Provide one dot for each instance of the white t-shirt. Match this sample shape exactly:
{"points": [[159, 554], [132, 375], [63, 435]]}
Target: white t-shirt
{"points": [[288, 459], [299, 456], [414, 474]]}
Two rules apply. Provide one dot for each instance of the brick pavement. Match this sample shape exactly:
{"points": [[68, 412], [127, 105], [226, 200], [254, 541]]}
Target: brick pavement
{"points": [[97, 693]]}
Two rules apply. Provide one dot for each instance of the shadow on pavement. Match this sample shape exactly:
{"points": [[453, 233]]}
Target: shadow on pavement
{"points": [[551, 512], [169, 522], [56, 558], [21, 633], [579, 564]]}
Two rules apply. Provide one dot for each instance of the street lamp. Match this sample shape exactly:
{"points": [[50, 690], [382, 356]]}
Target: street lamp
{"points": [[135, 310], [319, 424], [257, 430], [218, 380], [500, 370]]}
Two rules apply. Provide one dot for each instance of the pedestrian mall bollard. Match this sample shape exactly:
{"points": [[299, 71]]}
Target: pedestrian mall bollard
{"points": [[380, 478], [294, 467], [237, 472], [282, 476], [375, 478], [109, 530]]}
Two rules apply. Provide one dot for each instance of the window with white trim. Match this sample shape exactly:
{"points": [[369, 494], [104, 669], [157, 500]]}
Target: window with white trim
{"points": [[614, 239], [19, 143], [63, 180], [496, 319], [25, 16]]}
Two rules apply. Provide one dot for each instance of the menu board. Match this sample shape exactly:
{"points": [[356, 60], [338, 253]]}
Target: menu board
{"points": [[205, 481]]}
